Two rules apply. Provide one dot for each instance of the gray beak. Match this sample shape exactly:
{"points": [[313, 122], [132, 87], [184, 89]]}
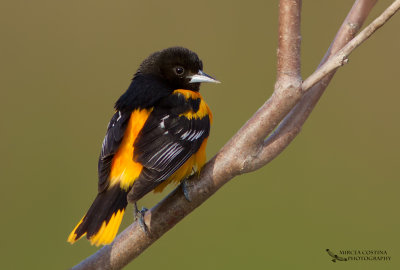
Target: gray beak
{"points": [[202, 77]]}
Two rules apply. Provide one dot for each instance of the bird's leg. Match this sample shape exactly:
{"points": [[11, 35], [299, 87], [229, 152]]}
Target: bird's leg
{"points": [[139, 216], [185, 189]]}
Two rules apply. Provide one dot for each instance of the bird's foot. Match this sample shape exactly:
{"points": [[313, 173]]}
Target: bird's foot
{"points": [[185, 189], [139, 216]]}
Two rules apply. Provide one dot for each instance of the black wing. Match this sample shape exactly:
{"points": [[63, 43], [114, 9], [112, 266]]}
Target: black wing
{"points": [[115, 133], [165, 143]]}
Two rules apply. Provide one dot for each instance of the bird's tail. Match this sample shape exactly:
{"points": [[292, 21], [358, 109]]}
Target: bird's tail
{"points": [[101, 222]]}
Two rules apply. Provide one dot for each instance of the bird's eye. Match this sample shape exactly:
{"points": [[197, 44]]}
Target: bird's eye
{"points": [[179, 70]]}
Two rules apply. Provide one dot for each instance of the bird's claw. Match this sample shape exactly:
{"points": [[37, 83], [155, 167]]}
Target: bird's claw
{"points": [[185, 190], [139, 216]]}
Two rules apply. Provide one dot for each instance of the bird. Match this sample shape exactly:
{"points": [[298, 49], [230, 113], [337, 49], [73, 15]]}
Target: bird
{"points": [[157, 136]]}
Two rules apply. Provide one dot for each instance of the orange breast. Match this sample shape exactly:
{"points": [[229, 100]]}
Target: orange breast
{"points": [[203, 107]]}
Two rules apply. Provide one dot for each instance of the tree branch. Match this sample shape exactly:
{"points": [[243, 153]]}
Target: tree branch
{"points": [[289, 40], [247, 150], [291, 125]]}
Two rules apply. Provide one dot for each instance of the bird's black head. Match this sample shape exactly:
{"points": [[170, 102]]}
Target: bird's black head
{"points": [[178, 67], [160, 74]]}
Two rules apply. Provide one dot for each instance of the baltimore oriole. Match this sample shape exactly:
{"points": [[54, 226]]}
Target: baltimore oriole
{"points": [[157, 135]]}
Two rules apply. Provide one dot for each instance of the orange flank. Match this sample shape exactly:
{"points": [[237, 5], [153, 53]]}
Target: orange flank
{"points": [[203, 107], [124, 171]]}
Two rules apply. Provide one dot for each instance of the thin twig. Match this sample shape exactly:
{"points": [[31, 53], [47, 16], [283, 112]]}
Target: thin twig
{"points": [[340, 58]]}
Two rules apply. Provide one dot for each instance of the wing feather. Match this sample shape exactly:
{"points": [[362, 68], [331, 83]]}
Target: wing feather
{"points": [[111, 142], [166, 142]]}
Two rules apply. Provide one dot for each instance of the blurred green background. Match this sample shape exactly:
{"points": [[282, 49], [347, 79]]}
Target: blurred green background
{"points": [[63, 65]]}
